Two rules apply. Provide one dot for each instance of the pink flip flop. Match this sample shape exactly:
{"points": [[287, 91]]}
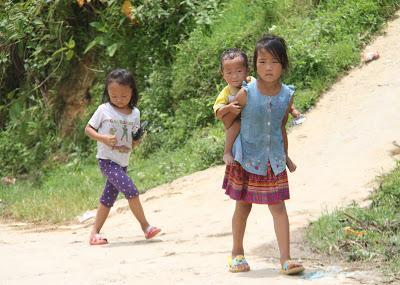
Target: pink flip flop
{"points": [[98, 240], [151, 232]]}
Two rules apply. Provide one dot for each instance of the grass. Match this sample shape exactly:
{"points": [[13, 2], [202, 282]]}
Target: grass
{"points": [[69, 190], [370, 235]]}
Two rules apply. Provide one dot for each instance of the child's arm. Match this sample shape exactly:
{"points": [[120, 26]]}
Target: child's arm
{"points": [[110, 140], [136, 143], [240, 99], [227, 115], [293, 111], [283, 127], [233, 107]]}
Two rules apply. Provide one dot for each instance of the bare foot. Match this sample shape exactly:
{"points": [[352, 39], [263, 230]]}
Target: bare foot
{"points": [[290, 165], [228, 158]]}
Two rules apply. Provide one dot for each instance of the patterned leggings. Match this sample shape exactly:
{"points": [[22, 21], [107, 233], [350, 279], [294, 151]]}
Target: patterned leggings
{"points": [[117, 181]]}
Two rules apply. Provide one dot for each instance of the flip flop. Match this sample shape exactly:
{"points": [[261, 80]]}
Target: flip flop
{"points": [[238, 264], [291, 271], [98, 240], [151, 232]]}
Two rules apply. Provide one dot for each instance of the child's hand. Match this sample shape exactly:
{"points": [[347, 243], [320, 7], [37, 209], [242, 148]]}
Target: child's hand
{"points": [[234, 107], [136, 143], [121, 148], [110, 140]]}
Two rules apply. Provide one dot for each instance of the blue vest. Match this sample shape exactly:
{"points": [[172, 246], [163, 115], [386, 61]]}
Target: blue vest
{"points": [[260, 138]]}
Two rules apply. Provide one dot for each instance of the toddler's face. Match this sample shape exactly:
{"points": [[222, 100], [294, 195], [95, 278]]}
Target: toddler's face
{"points": [[120, 95], [234, 71]]}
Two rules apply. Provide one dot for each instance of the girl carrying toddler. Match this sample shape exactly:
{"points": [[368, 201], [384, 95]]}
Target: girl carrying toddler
{"points": [[258, 174], [234, 69]]}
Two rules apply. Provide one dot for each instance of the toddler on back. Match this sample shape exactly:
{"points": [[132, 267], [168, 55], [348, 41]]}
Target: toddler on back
{"points": [[234, 69]]}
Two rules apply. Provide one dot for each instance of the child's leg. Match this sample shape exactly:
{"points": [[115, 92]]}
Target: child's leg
{"points": [[107, 200], [281, 226], [230, 137], [239, 220], [291, 166], [101, 216], [123, 183], [228, 120], [137, 211]]}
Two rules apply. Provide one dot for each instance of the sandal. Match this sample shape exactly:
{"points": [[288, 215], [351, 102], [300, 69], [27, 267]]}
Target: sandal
{"points": [[151, 232], [97, 239], [238, 264], [290, 267]]}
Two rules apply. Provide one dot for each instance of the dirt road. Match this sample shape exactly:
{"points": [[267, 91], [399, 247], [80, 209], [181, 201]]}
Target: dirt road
{"points": [[344, 143]]}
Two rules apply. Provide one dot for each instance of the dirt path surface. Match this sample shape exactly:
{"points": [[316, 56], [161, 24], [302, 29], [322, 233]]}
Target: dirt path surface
{"points": [[345, 142]]}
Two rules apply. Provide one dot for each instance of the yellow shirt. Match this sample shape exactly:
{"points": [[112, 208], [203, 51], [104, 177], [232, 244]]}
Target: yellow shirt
{"points": [[226, 96]]}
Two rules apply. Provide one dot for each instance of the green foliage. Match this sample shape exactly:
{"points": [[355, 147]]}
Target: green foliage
{"points": [[146, 40], [59, 197], [21, 148], [39, 47], [191, 84], [374, 231], [42, 40], [388, 194]]}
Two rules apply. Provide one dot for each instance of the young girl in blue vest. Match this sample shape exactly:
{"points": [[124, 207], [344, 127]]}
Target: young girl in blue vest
{"points": [[112, 126], [234, 69], [259, 172]]}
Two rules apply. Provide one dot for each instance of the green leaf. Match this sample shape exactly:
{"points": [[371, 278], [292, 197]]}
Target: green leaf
{"points": [[99, 26], [69, 54], [15, 110], [97, 41], [59, 50], [112, 49], [71, 43]]}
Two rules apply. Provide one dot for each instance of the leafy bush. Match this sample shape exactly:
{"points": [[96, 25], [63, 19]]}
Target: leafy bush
{"points": [[26, 142], [45, 40], [193, 80]]}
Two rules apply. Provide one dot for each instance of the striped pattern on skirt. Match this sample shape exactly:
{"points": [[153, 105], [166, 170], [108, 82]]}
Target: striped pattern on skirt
{"points": [[252, 188]]}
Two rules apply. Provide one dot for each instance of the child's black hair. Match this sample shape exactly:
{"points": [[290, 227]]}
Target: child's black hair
{"points": [[274, 45], [123, 77], [231, 54]]}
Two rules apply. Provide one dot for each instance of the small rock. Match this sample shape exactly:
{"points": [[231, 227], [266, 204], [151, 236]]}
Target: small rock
{"points": [[8, 180], [86, 216]]}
